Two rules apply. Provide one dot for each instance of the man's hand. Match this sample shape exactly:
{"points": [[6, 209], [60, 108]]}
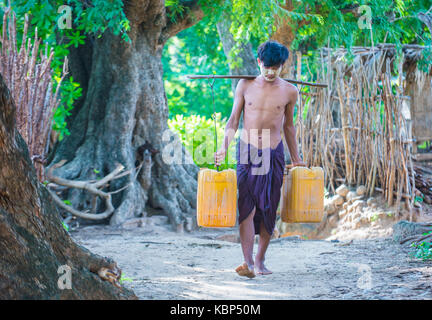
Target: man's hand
{"points": [[296, 164], [219, 156]]}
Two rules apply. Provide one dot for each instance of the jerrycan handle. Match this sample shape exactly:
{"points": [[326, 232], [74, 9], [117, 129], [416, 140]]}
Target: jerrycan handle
{"points": [[290, 166]]}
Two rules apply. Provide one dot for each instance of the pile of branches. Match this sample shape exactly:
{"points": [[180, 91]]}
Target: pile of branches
{"points": [[31, 85], [423, 183], [356, 131]]}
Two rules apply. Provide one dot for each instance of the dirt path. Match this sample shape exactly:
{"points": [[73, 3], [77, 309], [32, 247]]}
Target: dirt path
{"points": [[166, 265]]}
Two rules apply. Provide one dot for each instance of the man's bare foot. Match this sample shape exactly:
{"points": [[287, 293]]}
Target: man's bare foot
{"points": [[261, 269], [245, 271]]}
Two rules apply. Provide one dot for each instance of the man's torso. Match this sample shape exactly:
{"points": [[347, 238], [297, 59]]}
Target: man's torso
{"points": [[264, 108]]}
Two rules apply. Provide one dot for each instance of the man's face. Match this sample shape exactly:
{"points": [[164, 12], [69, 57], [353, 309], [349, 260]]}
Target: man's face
{"points": [[269, 73]]}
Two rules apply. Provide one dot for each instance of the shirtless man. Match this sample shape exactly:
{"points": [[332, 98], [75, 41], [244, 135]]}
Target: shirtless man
{"points": [[268, 104]]}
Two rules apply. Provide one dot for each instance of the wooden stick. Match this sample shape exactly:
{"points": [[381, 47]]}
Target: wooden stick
{"points": [[250, 77], [403, 195], [422, 156]]}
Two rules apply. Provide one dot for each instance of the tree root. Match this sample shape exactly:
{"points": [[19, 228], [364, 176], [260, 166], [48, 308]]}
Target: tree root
{"points": [[414, 232], [417, 239], [93, 186]]}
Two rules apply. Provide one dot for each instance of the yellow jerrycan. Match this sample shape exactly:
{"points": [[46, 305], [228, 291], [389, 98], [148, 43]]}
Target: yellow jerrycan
{"points": [[302, 194], [217, 198]]}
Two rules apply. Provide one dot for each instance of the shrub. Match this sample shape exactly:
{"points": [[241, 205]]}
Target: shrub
{"points": [[423, 250], [197, 135]]}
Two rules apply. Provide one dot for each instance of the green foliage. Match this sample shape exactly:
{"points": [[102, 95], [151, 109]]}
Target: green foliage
{"points": [[374, 217], [196, 50], [69, 93], [423, 250], [197, 135], [65, 226], [394, 21], [418, 199], [125, 279], [256, 18], [424, 145]]}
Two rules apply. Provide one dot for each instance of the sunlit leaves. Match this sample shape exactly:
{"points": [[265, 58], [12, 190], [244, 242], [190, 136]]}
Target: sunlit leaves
{"points": [[423, 250], [197, 135], [76, 38], [175, 9], [196, 50]]}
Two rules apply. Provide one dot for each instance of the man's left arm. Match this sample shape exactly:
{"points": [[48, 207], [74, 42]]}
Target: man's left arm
{"points": [[290, 130]]}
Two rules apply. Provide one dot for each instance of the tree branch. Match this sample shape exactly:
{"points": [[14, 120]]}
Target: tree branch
{"points": [[92, 187], [426, 19], [193, 14]]}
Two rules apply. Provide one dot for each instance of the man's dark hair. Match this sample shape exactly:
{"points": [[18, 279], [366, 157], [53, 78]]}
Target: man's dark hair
{"points": [[272, 53]]}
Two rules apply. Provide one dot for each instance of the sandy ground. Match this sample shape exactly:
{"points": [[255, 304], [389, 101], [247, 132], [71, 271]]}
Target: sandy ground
{"points": [[161, 264]]}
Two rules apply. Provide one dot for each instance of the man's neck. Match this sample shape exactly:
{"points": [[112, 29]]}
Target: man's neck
{"points": [[263, 81]]}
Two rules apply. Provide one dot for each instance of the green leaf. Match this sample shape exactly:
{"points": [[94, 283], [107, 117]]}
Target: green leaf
{"points": [[418, 199], [65, 226], [123, 279]]}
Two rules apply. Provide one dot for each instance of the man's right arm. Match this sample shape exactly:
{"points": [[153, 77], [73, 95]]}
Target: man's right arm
{"points": [[233, 121], [289, 128]]}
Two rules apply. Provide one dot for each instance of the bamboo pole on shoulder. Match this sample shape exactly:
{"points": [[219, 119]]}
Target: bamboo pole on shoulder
{"points": [[251, 77]]}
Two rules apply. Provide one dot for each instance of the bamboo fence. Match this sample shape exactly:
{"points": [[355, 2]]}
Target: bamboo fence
{"points": [[355, 129]]}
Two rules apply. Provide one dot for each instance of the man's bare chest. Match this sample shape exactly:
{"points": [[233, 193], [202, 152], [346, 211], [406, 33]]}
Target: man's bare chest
{"points": [[273, 100]]}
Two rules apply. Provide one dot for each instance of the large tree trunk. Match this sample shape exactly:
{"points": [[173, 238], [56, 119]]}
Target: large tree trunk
{"points": [[125, 106], [33, 243], [80, 60]]}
